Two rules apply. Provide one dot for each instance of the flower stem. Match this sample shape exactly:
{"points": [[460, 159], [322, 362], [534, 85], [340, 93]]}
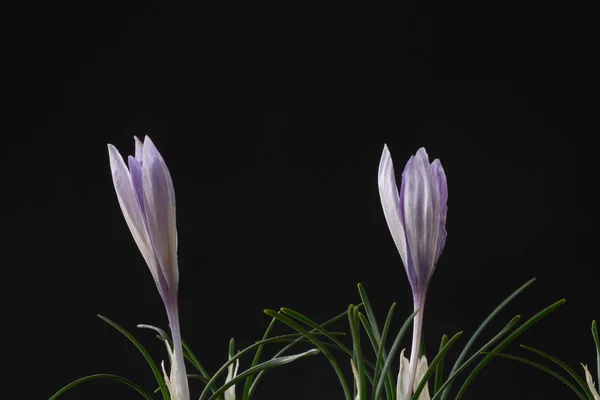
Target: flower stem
{"points": [[178, 373], [419, 303]]}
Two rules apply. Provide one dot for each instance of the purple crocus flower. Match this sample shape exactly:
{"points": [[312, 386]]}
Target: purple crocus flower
{"points": [[416, 218], [147, 199]]}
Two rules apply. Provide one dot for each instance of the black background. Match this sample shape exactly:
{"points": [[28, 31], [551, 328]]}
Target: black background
{"points": [[272, 120]]}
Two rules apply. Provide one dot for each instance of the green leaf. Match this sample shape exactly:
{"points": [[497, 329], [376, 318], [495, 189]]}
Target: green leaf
{"points": [[597, 343], [358, 358], [371, 337], [289, 346], [437, 360], [157, 373], [565, 367], [189, 355], [272, 363], [542, 368], [101, 376], [379, 344], [439, 372], [239, 354], [481, 327], [389, 358], [255, 360], [381, 354], [294, 325], [464, 366], [317, 327], [516, 333]]}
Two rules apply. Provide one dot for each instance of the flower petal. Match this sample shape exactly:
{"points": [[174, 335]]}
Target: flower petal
{"points": [[439, 177], [390, 201], [167, 380], [421, 370], [420, 201], [590, 382], [132, 211], [404, 383], [139, 149], [356, 380], [159, 201], [231, 374], [135, 170]]}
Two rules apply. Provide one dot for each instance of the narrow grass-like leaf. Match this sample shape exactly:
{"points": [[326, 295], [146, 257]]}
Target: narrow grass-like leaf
{"points": [[293, 343], [317, 327], [272, 363], [294, 325], [255, 360], [542, 368], [376, 334], [369, 312], [481, 327], [117, 378], [516, 333], [439, 372], [390, 356], [194, 360], [239, 354], [565, 367], [157, 373], [597, 343], [464, 366], [358, 357], [371, 336], [389, 385], [324, 332], [437, 360], [231, 347]]}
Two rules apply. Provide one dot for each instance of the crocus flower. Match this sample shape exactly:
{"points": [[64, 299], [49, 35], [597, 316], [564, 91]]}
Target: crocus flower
{"points": [[147, 199], [416, 217], [590, 382]]}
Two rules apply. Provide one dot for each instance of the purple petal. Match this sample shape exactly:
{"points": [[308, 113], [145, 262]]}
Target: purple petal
{"points": [[421, 215], [159, 200], [440, 178], [390, 201], [136, 179], [131, 211]]}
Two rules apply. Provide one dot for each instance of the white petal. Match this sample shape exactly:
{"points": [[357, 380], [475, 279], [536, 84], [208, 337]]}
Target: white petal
{"points": [[390, 202], [159, 200], [131, 209], [139, 149], [231, 373], [590, 382], [356, 380], [404, 383], [167, 380], [421, 370]]}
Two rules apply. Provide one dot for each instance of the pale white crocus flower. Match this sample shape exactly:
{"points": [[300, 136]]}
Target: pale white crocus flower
{"points": [[145, 193], [416, 217], [231, 374], [590, 382], [404, 385]]}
